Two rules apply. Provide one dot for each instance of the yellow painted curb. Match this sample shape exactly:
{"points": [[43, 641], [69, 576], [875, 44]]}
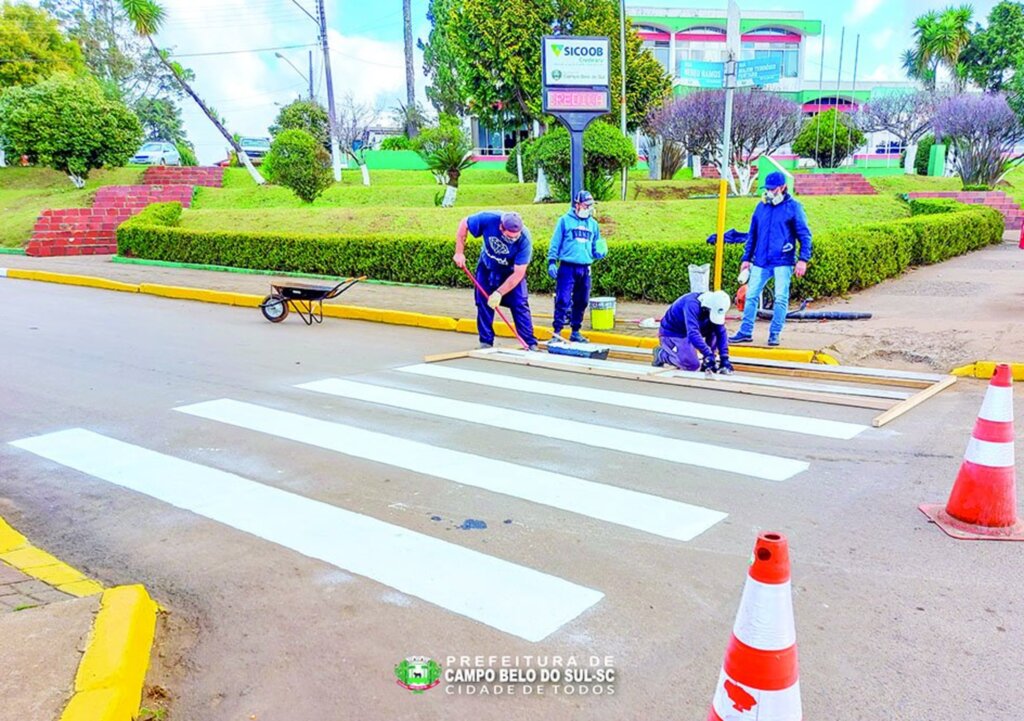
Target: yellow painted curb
{"points": [[16, 551], [108, 685], [69, 279], [986, 369], [398, 317]]}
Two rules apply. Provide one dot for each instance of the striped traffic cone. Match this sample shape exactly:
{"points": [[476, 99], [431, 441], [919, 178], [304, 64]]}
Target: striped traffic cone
{"points": [[983, 503], [759, 678]]}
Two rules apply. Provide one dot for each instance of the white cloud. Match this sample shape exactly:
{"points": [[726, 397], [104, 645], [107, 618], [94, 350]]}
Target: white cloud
{"points": [[862, 10], [882, 39]]}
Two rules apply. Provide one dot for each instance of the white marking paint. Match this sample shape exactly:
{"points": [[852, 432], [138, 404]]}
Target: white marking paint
{"points": [[641, 511], [720, 458], [703, 411], [3, 272], [506, 596]]}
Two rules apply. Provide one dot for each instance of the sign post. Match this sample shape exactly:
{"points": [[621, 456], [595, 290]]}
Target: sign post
{"points": [[732, 41], [576, 73]]}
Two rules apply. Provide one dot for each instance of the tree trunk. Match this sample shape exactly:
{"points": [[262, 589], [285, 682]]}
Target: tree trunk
{"points": [[366, 174], [519, 165], [242, 157], [910, 162], [743, 171], [543, 189], [450, 192], [77, 180], [410, 78]]}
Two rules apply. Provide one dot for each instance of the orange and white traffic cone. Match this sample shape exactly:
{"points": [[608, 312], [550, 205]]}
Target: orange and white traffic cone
{"points": [[983, 503], [760, 678]]}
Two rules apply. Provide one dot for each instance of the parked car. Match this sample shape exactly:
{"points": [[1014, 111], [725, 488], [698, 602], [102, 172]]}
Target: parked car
{"points": [[255, 148], [157, 153]]}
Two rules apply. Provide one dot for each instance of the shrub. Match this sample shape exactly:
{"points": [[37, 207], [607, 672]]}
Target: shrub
{"points": [[298, 162], [447, 151], [924, 152], [815, 139], [303, 115], [396, 142], [843, 260], [606, 151], [188, 155]]}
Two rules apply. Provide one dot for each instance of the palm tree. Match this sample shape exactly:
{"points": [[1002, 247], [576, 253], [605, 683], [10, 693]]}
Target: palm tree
{"points": [[410, 81], [147, 16], [940, 38]]}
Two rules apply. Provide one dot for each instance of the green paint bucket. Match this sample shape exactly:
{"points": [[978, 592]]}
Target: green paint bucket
{"points": [[602, 313]]}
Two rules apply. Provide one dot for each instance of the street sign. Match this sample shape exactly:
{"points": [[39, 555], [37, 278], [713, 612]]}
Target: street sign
{"points": [[577, 99], [576, 61], [700, 74], [761, 71]]}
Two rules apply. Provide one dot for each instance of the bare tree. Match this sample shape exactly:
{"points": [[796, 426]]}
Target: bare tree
{"points": [[354, 123], [761, 124], [905, 115]]}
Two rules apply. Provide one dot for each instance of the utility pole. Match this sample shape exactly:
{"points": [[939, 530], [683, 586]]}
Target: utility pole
{"points": [[732, 42], [312, 97], [332, 116], [622, 69]]}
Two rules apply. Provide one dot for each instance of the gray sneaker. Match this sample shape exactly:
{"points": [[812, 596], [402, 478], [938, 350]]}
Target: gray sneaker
{"points": [[484, 346], [657, 362]]}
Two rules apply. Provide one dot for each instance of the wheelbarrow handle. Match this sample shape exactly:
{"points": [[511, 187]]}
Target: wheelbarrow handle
{"points": [[483, 294]]}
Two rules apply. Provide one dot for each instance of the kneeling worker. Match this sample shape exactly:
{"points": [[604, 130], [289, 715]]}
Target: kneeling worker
{"points": [[694, 324], [505, 254]]}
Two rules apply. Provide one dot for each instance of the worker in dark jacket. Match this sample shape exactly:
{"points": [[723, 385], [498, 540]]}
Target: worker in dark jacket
{"points": [[695, 326], [778, 225]]}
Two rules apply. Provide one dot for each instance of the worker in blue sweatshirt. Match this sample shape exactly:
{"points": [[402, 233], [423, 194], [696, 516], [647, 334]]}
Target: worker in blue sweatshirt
{"points": [[575, 244], [695, 325]]}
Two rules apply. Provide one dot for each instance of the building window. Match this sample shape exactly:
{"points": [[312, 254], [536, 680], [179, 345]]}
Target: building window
{"points": [[661, 52], [704, 51], [789, 58]]}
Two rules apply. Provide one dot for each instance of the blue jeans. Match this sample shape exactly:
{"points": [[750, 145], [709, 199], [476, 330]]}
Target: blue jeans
{"points": [[572, 295], [759, 277]]}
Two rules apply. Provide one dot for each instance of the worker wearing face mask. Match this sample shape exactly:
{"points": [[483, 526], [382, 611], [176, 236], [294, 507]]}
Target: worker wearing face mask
{"points": [[779, 224], [575, 245], [505, 253]]}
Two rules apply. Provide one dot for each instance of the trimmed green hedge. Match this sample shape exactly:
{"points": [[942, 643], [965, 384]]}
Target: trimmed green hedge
{"points": [[843, 261]]}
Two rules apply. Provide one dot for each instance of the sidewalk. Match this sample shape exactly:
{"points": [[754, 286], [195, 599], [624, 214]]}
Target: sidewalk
{"points": [[932, 318]]}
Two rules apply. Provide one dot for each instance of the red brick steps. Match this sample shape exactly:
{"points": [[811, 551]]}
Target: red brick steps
{"points": [[997, 199], [208, 177], [832, 184]]}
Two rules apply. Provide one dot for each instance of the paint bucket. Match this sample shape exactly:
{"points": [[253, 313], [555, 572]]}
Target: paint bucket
{"points": [[602, 313]]}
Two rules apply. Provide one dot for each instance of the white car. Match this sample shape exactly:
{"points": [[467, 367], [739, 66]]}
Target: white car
{"points": [[157, 153], [255, 148]]}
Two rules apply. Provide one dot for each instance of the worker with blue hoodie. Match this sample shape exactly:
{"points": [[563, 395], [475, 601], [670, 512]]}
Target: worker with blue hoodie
{"points": [[575, 245], [777, 226]]}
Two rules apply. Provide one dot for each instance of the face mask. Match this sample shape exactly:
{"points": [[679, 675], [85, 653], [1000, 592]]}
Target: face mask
{"points": [[773, 198], [583, 213]]}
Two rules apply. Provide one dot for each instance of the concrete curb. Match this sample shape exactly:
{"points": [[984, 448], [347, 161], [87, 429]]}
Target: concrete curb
{"points": [[986, 369], [110, 678], [393, 317], [111, 674], [16, 551]]}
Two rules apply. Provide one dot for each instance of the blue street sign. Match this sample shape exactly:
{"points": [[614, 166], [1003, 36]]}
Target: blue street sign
{"points": [[761, 71], [700, 74]]}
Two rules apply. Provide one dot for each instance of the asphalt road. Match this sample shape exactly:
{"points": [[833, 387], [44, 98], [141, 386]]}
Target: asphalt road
{"points": [[307, 539]]}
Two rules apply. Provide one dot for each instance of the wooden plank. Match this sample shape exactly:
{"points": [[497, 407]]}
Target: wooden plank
{"points": [[630, 371], [900, 408], [852, 374], [446, 356]]}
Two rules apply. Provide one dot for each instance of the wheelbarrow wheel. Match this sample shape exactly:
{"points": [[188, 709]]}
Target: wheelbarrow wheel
{"points": [[274, 308]]}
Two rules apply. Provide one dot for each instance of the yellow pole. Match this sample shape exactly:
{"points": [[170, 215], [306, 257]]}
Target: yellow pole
{"points": [[723, 191]]}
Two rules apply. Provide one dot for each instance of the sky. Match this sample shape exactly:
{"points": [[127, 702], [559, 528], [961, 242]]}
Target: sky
{"points": [[367, 63]]}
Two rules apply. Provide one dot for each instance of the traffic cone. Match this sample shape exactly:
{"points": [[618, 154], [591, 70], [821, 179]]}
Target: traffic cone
{"points": [[759, 678], [983, 503]]}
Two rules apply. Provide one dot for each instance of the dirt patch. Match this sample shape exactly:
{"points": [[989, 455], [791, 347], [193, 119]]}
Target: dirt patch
{"points": [[650, 191], [169, 666]]}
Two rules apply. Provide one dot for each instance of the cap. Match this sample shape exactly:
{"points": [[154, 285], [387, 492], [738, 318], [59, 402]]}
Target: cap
{"points": [[717, 304], [512, 222], [774, 180], [583, 197]]}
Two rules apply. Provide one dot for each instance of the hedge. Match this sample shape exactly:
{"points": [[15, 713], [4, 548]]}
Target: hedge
{"points": [[843, 261]]}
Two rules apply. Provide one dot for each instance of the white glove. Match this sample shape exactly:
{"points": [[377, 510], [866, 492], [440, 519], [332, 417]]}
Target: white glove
{"points": [[494, 300]]}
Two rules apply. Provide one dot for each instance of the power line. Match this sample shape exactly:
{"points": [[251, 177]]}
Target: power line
{"points": [[241, 52], [363, 60]]}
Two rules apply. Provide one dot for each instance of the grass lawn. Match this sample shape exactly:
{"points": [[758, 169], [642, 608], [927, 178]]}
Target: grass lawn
{"points": [[632, 220], [899, 184], [1015, 184]]}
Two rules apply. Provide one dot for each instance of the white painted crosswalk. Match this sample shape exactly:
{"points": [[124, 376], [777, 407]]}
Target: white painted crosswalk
{"points": [[652, 514], [704, 411], [706, 455], [504, 595], [516, 599]]}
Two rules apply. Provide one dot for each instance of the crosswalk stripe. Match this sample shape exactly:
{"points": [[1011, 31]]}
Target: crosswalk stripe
{"points": [[704, 411], [757, 465], [644, 512], [501, 594]]}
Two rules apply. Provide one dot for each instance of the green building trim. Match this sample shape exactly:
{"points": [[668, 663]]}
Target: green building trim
{"points": [[677, 24]]}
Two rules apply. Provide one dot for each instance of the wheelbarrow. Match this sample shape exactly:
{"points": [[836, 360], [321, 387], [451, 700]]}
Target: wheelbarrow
{"points": [[306, 300]]}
